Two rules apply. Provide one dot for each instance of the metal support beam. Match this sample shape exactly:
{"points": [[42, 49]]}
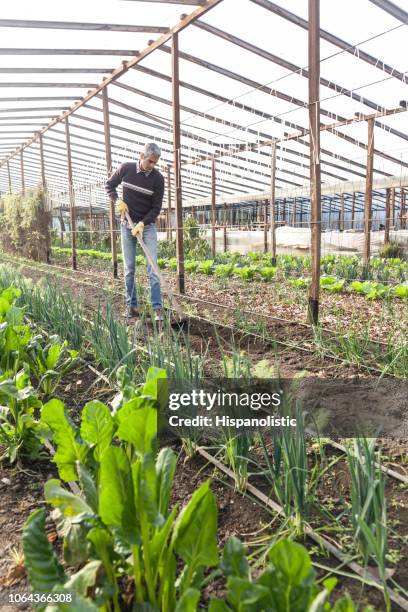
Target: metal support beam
{"points": [[225, 229], [353, 209], [387, 216], [368, 194], [391, 8], [402, 209], [42, 164], [264, 208], [108, 153], [272, 205], [294, 212], [178, 203], [71, 195], [213, 209], [393, 207], [342, 212], [9, 177], [118, 72], [334, 40], [72, 25], [64, 85], [22, 172], [169, 229], [315, 177]]}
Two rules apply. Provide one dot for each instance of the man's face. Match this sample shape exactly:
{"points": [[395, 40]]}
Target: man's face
{"points": [[148, 162]]}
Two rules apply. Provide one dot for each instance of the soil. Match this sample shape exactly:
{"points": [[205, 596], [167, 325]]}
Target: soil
{"points": [[276, 299]]}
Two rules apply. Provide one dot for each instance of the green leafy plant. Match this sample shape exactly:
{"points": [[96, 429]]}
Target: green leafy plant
{"points": [[372, 290], [288, 582], [206, 267], [331, 284], [191, 266], [224, 270], [368, 505], [391, 250], [51, 363], [401, 291], [267, 273], [299, 283], [246, 273], [18, 426], [120, 521], [24, 224]]}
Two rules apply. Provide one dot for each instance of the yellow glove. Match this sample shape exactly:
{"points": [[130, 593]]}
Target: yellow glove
{"points": [[122, 207], [138, 229]]}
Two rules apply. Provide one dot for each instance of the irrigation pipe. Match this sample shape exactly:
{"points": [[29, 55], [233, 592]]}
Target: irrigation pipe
{"points": [[320, 540]]}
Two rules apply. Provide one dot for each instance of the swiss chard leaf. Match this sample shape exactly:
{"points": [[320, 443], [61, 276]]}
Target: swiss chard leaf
{"points": [[234, 561], [69, 450], [140, 429], [68, 503], [165, 468], [116, 497], [42, 565], [97, 426], [195, 531]]}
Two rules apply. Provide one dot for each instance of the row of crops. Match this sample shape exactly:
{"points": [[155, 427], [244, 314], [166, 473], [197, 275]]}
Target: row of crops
{"points": [[112, 497], [256, 267]]}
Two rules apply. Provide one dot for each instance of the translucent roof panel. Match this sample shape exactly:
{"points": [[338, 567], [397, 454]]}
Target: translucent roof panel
{"points": [[243, 81]]}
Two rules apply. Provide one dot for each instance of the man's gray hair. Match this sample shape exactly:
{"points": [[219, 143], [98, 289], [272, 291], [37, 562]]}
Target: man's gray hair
{"points": [[151, 148]]}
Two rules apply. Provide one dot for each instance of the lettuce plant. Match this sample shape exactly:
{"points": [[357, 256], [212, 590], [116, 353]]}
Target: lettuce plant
{"points": [[267, 273], [224, 270], [246, 273]]}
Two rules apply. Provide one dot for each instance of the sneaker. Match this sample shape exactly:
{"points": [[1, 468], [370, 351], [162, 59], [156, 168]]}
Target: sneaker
{"points": [[158, 315], [132, 312]]}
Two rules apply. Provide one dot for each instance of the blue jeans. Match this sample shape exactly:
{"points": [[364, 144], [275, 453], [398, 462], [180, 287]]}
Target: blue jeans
{"points": [[129, 263]]}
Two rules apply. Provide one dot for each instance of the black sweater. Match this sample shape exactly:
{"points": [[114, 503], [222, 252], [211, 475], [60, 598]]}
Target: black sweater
{"points": [[143, 193]]}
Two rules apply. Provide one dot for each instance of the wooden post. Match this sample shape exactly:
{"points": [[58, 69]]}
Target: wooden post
{"points": [[368, 195], [387, 216], [22, 172], [213, 210], [9, 177], [315, 176], [402, 209], [353, 209], [176, 164], [393, 207], [342, 212], [42, 162], [90, 212], [272, 204], [63, 229], [169, 230], [108, 155], [265, 219], [71, 195], [225, 228]]}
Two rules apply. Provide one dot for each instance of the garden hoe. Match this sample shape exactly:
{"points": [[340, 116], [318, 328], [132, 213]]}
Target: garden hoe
{"points": [[182, 320]]}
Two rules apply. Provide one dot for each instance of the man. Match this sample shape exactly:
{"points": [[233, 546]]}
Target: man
{"points": [[143, 188]]}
